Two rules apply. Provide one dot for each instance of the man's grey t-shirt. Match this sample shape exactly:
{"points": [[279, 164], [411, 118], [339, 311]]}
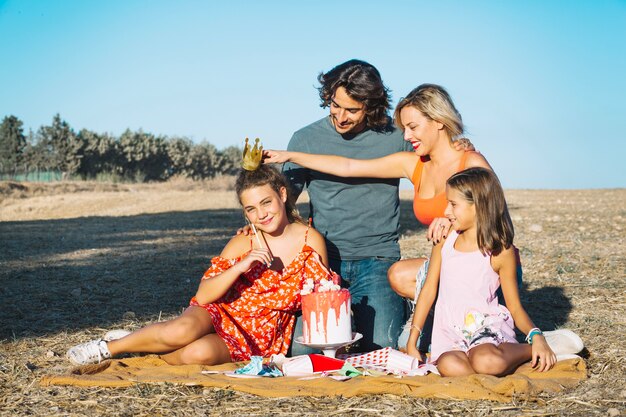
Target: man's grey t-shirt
{"points": [[359, 217]]}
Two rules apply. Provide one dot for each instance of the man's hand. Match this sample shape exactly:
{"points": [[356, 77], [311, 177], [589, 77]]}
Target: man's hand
{"points": [[463, 144], [244, 230]]}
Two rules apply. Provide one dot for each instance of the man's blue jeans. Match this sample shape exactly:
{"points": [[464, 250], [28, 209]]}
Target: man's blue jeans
{"points": [[377, 310]]}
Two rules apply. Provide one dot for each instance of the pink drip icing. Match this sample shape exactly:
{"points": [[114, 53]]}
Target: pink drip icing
{"points": [[321, 303]]}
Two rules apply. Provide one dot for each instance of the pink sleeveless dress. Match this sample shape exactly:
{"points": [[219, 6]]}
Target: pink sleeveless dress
{"points": [[467, 313]]}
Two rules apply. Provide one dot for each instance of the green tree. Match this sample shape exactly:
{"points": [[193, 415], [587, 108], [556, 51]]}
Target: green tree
{"points": [[204, 161], [230, 160], [65, 147], [38, 154], [144, 155], [12, 143], [180, 159], [101, 154]]}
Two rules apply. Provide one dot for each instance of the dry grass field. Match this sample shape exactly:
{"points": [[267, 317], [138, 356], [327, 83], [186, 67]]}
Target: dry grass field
{"points": [[77, 259]]}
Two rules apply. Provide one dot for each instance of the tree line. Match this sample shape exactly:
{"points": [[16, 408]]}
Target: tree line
{"points": [[133, 156]]}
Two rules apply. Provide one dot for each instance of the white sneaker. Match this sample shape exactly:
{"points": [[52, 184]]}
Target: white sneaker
{"points": [[564, 342], [91, 352], [115, 334]]}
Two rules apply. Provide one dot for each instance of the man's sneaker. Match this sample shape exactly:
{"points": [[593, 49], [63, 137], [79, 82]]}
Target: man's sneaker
{"points": [[94, 351], [115, 334], [564, 342]]}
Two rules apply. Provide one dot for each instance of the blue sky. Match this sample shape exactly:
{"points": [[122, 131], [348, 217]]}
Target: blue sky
{"points": [[540, 84]]}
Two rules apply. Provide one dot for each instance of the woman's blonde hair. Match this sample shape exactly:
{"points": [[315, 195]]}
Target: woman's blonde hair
{"points": [[435, 103], [481, 187]]}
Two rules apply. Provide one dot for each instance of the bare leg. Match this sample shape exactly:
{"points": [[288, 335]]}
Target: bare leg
{"points": [[194, 323], [402, 276], [208, 350], [499, 360], [454, 363]]}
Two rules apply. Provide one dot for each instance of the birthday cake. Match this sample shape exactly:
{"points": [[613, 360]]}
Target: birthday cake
{"points": [[326, 312]]}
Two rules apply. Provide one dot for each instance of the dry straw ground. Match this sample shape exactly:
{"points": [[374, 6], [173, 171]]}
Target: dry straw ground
{"points": [[77, 259]]}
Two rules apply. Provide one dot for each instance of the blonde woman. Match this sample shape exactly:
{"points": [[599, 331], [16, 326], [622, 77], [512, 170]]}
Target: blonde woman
{"points": [[432, 124]]}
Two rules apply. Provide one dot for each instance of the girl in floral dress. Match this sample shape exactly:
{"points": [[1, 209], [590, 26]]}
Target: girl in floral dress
{"points": [[472, 331], [247, 300]]}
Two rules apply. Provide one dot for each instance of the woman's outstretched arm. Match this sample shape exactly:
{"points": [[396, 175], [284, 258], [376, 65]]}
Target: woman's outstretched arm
{"points": [[396, 165]]}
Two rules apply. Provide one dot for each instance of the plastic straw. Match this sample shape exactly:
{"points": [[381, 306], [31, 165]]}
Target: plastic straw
{"points": [[256, 234]]}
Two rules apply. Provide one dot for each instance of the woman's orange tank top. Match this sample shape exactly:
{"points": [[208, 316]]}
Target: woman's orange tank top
{"points": [[427, 209]]}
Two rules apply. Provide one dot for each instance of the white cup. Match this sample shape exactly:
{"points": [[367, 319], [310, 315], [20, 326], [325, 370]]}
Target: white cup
{"points": [[401, 361]]}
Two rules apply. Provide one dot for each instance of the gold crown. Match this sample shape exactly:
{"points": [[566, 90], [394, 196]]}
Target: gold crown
{"points": [[252, 157]]}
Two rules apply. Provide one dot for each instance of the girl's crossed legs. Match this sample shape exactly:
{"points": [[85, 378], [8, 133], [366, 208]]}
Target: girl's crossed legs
{"points": [[485, 359], [187, 339]]}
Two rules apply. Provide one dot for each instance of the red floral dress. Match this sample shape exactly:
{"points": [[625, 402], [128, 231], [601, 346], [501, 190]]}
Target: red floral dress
{"points": [[257, 314]]}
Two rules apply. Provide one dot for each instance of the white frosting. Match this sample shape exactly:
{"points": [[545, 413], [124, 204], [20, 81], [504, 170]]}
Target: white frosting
{"points": [[324, 285]]}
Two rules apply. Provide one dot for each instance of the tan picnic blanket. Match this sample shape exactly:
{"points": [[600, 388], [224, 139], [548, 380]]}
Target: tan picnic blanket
{"points": [[524, 382]]}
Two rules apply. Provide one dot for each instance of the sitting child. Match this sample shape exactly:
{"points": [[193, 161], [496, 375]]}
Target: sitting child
{"points": [[472, 331], [247, 300]]}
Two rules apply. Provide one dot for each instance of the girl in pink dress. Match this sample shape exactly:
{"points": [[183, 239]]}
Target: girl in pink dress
{"points": [[472, 331]]}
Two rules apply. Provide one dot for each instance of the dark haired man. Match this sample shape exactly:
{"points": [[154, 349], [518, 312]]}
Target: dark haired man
{"points": [[359, 217]]}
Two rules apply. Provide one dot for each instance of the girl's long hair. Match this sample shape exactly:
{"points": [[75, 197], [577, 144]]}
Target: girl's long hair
{"points": [[267, 175], [481, 187]]}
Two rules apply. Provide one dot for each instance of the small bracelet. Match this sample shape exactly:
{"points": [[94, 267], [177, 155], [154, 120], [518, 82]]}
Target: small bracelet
{"points": [[412, 326], [531, 334], [534, 331]]}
